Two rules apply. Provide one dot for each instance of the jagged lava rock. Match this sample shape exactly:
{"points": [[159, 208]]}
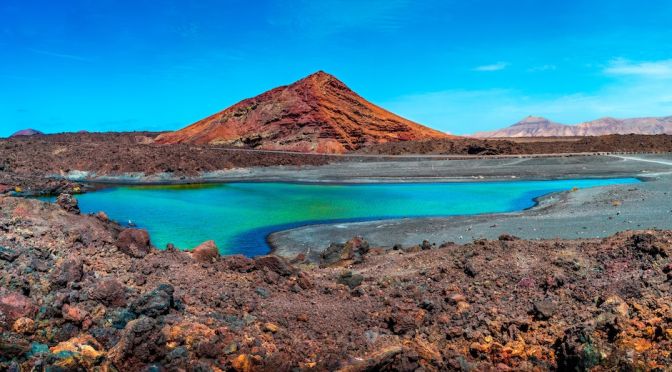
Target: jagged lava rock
{"points": [[155, 303], [68, 202]]}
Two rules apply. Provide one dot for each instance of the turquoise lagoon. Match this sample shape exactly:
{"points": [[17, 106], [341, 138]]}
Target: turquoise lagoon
{"points": [[239, 216]]}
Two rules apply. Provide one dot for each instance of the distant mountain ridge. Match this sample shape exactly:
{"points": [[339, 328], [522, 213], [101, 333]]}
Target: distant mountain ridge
{"points": [[533, 126], [315, 114], [26, 132]]}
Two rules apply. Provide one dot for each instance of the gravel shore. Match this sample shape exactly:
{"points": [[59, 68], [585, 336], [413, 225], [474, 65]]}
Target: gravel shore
{"points": [[588, 213]]}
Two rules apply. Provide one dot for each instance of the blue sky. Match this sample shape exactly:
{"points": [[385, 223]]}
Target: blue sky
{"points": [[458, 66]]}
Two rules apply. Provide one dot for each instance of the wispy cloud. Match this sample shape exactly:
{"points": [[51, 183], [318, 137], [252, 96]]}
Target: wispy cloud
{"points": [[657, 69], [493, 67], [60, 55]]}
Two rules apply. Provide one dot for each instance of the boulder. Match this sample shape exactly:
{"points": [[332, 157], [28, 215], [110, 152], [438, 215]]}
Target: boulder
{"points": [[141, 342], [577, 350], [78, 353], [7, 254], [206, 252], [69, 270], [507, 238], [14, 306], [155, 303], [274, 264], [239, 263], [109, 292], [134, 242], [243, 363], [470, 269], [350, 279], [404, 320], [543, 310], [647, 243], [343, 254], [74, 314], [68, 202], [24, 326]]}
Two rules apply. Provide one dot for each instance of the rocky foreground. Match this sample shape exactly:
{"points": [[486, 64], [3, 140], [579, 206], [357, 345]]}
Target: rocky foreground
{"points": [[80, 293]]}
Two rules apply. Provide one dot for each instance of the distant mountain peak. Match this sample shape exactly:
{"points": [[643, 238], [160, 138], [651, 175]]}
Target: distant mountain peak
{"points": [[318, 113], [320, 75], [533, 119], [535, 126], [26, 132]]}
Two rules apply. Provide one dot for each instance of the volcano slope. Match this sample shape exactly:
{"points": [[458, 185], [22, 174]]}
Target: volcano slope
{"points": [[78, 292], [315, 114]]}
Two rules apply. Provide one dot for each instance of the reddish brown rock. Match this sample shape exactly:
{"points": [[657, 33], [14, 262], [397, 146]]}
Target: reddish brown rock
{"points": [[134, 242], [274, 264], [315, 114], [109, 292], [239, 263], [69, 271], [206, 252], [74, 314], [5, 189], [15, 305]]}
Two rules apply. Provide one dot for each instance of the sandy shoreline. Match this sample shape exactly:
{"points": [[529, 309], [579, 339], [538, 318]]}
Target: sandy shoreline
{"points": [[587, 213], [409, 170], [582, 214]]}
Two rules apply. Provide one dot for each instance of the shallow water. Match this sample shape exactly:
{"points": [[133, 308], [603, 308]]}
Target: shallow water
{"points": [[239, 216]]}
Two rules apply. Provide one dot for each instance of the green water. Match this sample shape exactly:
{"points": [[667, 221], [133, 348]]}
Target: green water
{"points": [[239, 216]]}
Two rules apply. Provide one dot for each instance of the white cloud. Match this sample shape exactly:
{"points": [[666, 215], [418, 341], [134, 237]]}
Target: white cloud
{"points": [[493, 67], [659, 69]]}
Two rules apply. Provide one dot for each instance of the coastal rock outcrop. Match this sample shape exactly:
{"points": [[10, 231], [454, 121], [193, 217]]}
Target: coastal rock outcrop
{"points": [[68, 202]]}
